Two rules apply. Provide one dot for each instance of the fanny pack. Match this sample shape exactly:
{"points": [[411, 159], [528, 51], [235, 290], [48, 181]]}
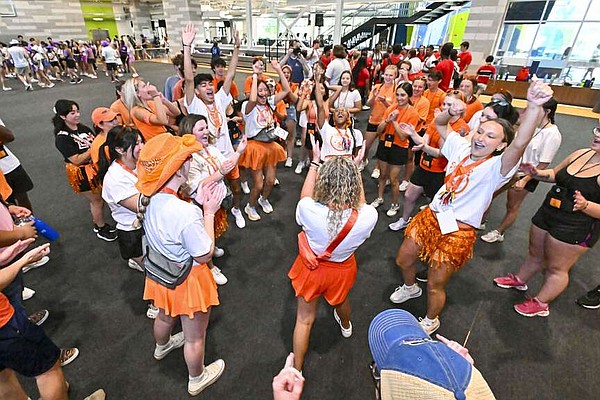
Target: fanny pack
{"points": [[561, 198], [266, 135], [165, 271]]}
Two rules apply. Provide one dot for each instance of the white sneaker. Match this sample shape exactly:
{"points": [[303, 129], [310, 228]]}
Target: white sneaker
{"points": [[239, 218], [375, 173], [346, 332], [365, 108], [404, 293], [266, 206], [245, 187], [209, 376], [276, 182], [482, 226], [152, 311], [220, 279], [430, 328], [377, 202], [37, 264], [403, 186], [175, 342], [133, 265], [51, 85], [27, 293], [393, 210], [299, 167], [219, 252], [398, 225], [7, 89], [252, 213], [289, 162], [493, 236], [134, 75]]}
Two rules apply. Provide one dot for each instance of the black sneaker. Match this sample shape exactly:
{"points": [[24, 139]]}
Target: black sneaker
{"points": [[38, 317], [591, 299], [110, 228], [105, 233], [79, 80], [422, 275]]}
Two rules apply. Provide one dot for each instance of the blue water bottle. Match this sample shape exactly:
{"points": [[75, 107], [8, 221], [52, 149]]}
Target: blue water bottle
{"points": [[45, 230]]}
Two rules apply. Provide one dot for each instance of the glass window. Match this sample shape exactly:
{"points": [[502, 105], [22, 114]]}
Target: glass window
{"points": [[588, 42], [567, 10], [554, 40], [516, 40], [594, 11], [525, 11]]}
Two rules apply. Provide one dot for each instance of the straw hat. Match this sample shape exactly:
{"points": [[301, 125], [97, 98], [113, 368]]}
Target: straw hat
{"points": [[161, 158]]}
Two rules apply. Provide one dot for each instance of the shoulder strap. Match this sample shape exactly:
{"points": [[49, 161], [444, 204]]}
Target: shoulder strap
{"points": [[341, 236], [581, 155]]}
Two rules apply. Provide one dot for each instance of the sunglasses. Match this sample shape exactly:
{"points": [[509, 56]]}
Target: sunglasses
{"points": [[456, 93], [596, 130], [501, 103]]}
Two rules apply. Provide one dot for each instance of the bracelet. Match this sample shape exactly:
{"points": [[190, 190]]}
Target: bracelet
{"points": [[315, 164], [209, 215], [186, 45]]}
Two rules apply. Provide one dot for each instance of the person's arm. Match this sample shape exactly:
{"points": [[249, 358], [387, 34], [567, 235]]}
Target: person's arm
{"points": [[6, 135], [9, 273], [187, 37], [305, 66], [285, 85], [308, 188], [537, 94], [337, 90], [212, 196], [320, 107], [131, 203], [283, 60], [170, 108], [374, 93], [520, 184], [233, 62], [585, 206], [253, 92], [81, 159], [158, 118], [21, 232], [441, 121]]}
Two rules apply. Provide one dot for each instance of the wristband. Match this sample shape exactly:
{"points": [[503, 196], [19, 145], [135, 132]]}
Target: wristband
{"points": [[315, 164], [209, 215]]}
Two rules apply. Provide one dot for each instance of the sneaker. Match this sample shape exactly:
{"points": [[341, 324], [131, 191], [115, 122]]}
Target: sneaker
{"points": [[430, 328], [219, 252], [7, 89], [245, 187], [73, 81], [211, 373], [393, 210], [37, 264], [346, 332], [42, 85], [375, 174], [510, 281], [33, 80], [276, 182], [591, 299], [422, 276], [51, 85], [27, 293], [493, 237], [79, 80], [404, 186], [99, 394], [404, 293], [175, 342], [39, 317], [377, 202], [239, 218], [398, 225], [29, 88], [252, 213], [105, 233], [220, 279], [482, 226], [109, 227], [289, 162], [365, 108], [533, 308], [298, 143], [133, 265], [266, 206], [299, 167], [68, 355], [152, 311]]}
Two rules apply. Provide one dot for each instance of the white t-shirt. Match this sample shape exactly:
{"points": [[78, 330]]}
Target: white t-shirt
{"points": [[118, 185], [202, 166], [222, 101], [110, 55], [175, 228], [260, 117], [347, 99], [416, 65], [10, 162], [477, 190], [335, 69], [543, 146], [17, 53], [339, 142], [312, 217]]}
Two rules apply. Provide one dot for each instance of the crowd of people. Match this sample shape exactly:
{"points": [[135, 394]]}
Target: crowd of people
{"points": [[171, 165]]}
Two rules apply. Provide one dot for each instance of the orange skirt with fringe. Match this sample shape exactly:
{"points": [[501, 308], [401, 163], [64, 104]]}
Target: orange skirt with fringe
{"points": [[453, 249], [259, 155], [82, 178], [332, 280], [221, 223], [197, 293]]}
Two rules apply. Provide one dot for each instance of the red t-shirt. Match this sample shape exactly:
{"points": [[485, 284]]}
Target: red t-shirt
{"points": [[466, 58], [446, 67], [325, 60], [363, 78], [484, 73], [393, 59]]}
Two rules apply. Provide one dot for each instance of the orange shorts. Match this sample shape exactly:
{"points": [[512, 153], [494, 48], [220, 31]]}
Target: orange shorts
{"points": [[234, 173], [453, 249], [197, 293], [331, 280], [259, 155]]}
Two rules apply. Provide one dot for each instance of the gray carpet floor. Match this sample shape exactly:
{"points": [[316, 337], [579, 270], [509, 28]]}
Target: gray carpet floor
{"points": [[95, 300]]}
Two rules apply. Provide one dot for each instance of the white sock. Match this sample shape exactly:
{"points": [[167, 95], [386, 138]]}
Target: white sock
{"points": [[428, 321], [163, 346], [196, 378], [411, 288]]}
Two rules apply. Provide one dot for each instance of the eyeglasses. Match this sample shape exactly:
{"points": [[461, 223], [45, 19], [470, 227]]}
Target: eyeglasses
{"points": [[501, 103], [596, 130]]}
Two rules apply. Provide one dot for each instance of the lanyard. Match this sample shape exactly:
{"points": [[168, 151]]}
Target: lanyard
{"points": [[456, 177], [346, 140], [210, 160], [264, 117], [126, 168], [168, 191], [215, 118]]}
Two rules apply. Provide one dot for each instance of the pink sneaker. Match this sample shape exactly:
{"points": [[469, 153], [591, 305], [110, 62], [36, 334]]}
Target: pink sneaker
{"points": [[533, 308], [510, 281]]}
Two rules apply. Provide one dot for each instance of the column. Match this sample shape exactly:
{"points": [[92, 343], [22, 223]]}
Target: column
{"points": [[177, 14], [337, 31], [483, 28]]}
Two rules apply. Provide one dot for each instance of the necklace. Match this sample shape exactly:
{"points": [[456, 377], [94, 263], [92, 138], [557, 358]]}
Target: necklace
{"points": [[592, 165], [265, 116]]}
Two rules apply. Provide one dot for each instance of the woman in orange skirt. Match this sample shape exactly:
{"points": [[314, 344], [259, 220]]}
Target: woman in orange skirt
{"points": [[178, 231], [335, 221]]}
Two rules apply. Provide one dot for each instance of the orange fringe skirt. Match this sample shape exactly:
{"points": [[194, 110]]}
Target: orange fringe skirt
{"points": [[259, 155], [197, 293], [453, 249], [221, 223], [82, 177]]}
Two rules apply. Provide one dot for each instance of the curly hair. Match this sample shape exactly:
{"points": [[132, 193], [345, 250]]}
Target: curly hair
{"points": [[339, 187]]}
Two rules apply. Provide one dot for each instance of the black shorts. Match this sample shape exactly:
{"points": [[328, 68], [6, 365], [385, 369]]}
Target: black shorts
{"points": [[130, 243], [55, 64], [393, 155], [431, 182], [371, 127], [71, 64], [571, 228], [18, 180], [111, 66], [25, 348]]}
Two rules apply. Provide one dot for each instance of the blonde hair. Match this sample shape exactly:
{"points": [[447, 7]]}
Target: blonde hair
{"points": [[129, 92], [339, 187]]}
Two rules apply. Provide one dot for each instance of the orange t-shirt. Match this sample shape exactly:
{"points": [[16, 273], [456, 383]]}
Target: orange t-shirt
{"points": [[178, 90], [120, 108], [378, 108], [6, 310], [248, 84], [293, 87], [99, 140], [438, 164], [407, 115], [422, 108], [472, 108], [234, 91], [147, 129], [435, 102]]}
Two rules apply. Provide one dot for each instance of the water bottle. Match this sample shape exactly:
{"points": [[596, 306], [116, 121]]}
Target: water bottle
{"points": [[42, 228]]}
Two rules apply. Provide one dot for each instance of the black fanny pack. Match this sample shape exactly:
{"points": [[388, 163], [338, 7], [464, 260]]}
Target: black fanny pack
{"points": [[165, 271], [561, 198], [266, 135]]}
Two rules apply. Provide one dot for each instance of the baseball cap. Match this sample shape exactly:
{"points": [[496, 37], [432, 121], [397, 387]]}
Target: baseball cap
{"points": [[414, 366], [13, 41], [102, 114]]}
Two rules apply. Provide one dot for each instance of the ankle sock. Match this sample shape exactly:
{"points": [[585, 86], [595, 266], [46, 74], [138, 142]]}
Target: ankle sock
{"points": [[428, 321], [196, 379], [411, 288], [163, 346]]}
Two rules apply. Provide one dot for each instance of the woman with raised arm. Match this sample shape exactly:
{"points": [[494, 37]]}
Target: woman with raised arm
{"points": [[335, 221], [443, 234], [564, 228]]}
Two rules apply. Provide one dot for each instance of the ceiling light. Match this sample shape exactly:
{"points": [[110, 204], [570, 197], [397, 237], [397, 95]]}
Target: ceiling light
{"points": [[98, 19]]}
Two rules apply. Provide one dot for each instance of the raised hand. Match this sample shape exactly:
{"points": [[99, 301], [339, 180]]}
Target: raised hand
{"points": [[188, 34], [236, 36], [288, 384], [275, 65], [457, 106], [538, 92], [316, 151], [256, 68]]}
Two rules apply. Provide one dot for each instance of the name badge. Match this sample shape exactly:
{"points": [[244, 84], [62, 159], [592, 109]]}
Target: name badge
{"points": [[447, 221]]}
